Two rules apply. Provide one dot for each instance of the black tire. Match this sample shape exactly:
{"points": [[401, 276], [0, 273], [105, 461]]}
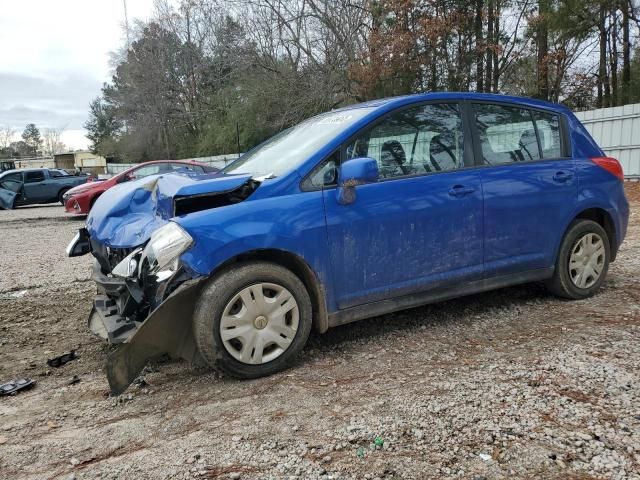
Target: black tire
{"points": [[93, 201], [61, 194], [220, 290], [561, 283]]}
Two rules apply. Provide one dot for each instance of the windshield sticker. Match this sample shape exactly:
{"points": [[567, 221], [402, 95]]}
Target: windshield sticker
{"points": [[335, 119]]}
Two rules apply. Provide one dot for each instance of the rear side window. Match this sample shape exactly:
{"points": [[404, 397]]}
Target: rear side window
{"points": [[186, 166], [507, 134], [146, 171], [549, 132], [34, 177]]}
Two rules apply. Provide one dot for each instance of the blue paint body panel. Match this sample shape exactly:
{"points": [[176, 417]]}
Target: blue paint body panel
{"points": [[404, 235], [399, 236]]}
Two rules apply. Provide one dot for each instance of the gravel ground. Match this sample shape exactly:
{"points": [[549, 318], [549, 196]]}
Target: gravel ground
{"points": [[510, 384]]}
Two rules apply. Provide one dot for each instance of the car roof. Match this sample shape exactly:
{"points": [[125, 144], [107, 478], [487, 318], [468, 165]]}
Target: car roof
{"points": [[20, 170], [393, 102], [153, 162]]}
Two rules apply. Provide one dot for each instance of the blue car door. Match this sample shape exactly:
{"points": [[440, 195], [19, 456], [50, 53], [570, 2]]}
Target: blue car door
{"points": [[420, 226], [529, 186]]}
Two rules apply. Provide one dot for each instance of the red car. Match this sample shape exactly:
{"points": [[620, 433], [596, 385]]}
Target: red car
{"points": [[80, 199]]}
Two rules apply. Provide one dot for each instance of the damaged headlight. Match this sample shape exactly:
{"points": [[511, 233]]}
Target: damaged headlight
{"points": [[165, 246]]}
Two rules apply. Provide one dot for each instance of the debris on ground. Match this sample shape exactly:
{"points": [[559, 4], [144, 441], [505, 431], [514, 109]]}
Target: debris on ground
{"points": [[74, 380], [63, 359], [13, 387], [140, 382]]}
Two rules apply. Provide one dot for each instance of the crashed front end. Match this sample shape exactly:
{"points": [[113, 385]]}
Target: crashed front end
{"points": [[145, 293], [133, 282]]}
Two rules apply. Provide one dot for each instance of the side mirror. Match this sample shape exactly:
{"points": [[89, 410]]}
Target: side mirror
{"points": [[358, 171], [126, 178]]}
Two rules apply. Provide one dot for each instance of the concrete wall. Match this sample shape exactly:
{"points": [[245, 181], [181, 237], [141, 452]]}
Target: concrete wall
{"points": [[617, 131]]}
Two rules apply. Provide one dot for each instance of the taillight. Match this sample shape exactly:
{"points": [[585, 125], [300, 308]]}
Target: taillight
{"points": [[611, 165]]}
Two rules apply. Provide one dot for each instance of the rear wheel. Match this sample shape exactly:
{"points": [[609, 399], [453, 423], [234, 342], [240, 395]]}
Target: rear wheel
{"points": [[583, 261], [252, 320]]}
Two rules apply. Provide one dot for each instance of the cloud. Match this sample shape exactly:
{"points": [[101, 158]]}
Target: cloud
{"points": [[55, 102], [55, 58]]}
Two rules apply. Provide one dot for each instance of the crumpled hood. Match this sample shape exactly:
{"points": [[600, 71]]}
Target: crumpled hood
{"points": [[126, 215]]}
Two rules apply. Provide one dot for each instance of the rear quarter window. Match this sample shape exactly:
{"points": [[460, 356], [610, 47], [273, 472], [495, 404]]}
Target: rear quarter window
{"points": [[548, 125]]}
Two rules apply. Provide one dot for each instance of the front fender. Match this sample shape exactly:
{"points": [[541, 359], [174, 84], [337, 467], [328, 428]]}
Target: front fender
{"points": [[293, 224]]}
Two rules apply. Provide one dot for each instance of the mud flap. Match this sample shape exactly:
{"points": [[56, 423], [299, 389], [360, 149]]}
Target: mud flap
{"points": [[166, 331], [7, 198]]}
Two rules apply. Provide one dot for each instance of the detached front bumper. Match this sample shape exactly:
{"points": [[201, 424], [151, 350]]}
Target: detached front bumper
{"points": [[115, 315], [167, 330], [146, 311], [145, 320]]}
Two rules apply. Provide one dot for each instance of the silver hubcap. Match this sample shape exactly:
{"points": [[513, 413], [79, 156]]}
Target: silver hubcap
{"points": [[587, 260], [259, 323]]}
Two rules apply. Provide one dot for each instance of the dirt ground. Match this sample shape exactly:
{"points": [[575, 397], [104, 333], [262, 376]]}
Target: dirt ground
{"points": [[509, 384]]}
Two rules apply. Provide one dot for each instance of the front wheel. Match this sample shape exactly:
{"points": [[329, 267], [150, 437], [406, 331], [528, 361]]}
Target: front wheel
{"points": [[252, 320], [583, 261], [61, 195]]}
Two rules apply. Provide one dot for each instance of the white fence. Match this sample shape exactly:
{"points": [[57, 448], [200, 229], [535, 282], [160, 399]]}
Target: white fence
{"points": [[617, 131], [218, 161]]}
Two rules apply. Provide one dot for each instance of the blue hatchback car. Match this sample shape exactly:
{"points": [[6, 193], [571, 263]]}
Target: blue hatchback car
{"points": [[355, 213]]}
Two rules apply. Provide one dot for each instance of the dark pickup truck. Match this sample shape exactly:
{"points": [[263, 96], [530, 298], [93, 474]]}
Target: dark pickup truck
{"points": [[35, 185]]}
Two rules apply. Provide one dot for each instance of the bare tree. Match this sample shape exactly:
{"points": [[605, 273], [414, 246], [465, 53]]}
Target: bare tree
{"points": [[51, 140], [7, 134]]}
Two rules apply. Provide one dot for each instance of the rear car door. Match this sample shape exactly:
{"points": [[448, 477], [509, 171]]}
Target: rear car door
{"points": [[36, 188], [529, 185], [420, 226]]}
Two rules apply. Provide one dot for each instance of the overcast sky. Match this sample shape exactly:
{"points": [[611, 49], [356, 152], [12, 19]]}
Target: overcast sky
{"points": [[55, 58]]}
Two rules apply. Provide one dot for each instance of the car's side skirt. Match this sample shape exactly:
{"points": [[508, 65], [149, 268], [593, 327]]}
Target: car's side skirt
{"points": [[383, 307]]}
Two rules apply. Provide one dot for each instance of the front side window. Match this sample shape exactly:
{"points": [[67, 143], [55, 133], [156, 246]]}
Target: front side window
{"points": [[34, 177], [11, 181], [507, 134], [417, 140], [324, 175]]}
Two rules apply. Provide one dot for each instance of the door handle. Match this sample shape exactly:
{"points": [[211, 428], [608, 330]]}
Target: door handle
{"points": [[562, 177], [460, 190]]}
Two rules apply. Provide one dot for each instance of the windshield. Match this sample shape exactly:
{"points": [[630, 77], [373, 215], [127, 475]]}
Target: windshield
{"points": [[291, 147]]}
